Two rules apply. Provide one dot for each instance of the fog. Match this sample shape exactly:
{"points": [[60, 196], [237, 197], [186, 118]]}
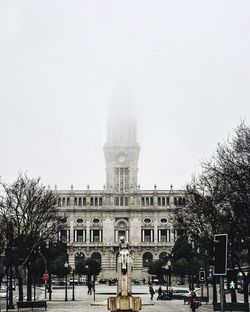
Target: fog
{"points": [[182, 66]]}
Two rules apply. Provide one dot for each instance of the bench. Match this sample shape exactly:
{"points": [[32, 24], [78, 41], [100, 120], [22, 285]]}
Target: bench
{"points": [[232, 306], [31, 304], [201, 299]]}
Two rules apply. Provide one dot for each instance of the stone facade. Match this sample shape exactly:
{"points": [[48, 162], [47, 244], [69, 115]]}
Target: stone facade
{"points": [[96, 219]]}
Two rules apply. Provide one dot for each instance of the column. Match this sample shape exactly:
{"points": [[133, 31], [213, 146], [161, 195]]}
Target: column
{"points": [[71, 238]]}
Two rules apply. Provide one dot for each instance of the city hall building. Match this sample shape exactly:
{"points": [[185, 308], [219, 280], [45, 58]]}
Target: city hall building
{"points": [[94, 220]]}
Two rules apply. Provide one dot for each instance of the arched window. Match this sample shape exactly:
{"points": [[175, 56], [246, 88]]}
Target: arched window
{"points": [[79, 258], [147, 259], [97, 257]]}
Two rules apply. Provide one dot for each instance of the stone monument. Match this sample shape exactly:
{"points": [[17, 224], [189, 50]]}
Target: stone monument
{"points": [[124, 301]]}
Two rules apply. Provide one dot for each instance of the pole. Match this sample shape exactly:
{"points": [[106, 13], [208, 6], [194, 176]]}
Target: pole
{"points": [[201, 289], [66, 288], [49, 272], [222, 303], [73, 286], [94, 286], [45, 292], [34, 285]]}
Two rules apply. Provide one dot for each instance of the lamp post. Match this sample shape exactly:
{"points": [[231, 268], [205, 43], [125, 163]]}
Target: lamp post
{"points": [[48, 244], [66, 265], [169, 272], [73, 286]]}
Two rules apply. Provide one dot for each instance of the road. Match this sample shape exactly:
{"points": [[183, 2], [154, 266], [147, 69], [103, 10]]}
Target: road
{"points": [[86, 303]]}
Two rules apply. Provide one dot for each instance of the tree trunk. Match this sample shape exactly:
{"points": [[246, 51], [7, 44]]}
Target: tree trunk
{"points": [[20, 283], [214, 290], [29, 285]]}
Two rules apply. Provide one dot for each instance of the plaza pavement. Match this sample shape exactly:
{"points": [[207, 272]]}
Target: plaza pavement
{"points": [[86, 303]]}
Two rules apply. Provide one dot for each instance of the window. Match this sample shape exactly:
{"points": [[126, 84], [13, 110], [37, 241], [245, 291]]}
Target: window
{"points": [[75, 201], [126, 201], [79, 258], [80, 201], [96, 236], [100, 201], [59, 202], [64, 235], [91, 201], [79, 235], [163, 201], [63, 201], [96, 221], [117, 201], [84, 201], [175, 200], [96, 201], [159, 201], [147, 235], [97, 257], [79, 221], [168, 201], [151, 201], [143, 201], [147, 220], [164, 220], [68, 201], [164, 235]]}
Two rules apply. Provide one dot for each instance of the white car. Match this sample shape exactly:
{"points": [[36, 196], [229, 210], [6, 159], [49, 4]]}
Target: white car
{"points": [[181, 293], [3, 292]]}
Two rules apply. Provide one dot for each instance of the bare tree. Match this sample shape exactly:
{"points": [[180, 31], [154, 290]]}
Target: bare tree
{"points": [[29, 217], [219, 202]]}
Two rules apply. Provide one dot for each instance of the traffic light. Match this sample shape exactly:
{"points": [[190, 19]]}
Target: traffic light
{"points": [[220, 254], [231, 280], [202, 276]]}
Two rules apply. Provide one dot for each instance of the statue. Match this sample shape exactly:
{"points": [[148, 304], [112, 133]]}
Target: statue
{"points": [[124, 301]]}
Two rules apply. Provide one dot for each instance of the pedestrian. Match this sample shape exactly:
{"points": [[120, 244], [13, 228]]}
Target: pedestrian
{"points": [[151, 291], [89, 288], [159, 293], [193, 301]]}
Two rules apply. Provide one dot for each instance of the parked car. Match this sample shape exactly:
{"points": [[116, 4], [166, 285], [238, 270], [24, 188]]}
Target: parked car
{"points": [[180, 293], [3, 292]]}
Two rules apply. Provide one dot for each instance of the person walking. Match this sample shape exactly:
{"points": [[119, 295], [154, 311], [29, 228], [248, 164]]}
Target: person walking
{"points": [[89, 288], [151, 291], [193, 301], [159, 293]]}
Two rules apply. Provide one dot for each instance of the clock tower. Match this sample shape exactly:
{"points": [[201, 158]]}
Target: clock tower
{"points": [[121, 151]]}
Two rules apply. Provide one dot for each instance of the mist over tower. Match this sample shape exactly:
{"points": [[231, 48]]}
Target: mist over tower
{"points": [[121, 149]]}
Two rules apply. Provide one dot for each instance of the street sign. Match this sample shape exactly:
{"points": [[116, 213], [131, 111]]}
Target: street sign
{"points": [[45, 277]]}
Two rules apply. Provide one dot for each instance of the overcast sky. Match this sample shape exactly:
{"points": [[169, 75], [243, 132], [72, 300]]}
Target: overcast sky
{"points": [[185, 65]]}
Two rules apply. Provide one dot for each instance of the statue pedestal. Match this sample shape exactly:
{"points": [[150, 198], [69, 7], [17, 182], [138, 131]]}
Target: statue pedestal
{"points": [[124, 303]]}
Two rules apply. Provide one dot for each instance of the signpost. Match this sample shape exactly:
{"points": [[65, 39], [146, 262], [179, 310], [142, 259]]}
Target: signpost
{"points": [[220, 265]]}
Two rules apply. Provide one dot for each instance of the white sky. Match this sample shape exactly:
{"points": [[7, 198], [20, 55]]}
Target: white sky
{"points": [[185, 64]]}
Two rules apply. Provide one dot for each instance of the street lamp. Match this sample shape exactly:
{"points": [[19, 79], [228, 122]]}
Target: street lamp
{"points": [[48, 244], [169, 272], [73, 286], [66, 265]]}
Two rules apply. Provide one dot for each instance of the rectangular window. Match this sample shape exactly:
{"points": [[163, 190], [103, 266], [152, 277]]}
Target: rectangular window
{"points": [[168, 201], [143, 201], [163, 201], [147, 201], [159, 201], [100, 201], [126, 201], [164, 235], [91, 201], [75, 201], [79, 235], [84, 201], [151, 201], [80, 201], [147, 235], [64, 236], [96, 201], [121, 201], [68, 201], [116, 201]]}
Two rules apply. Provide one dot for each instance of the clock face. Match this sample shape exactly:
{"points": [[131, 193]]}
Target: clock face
{"points": [[121, 159]]}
